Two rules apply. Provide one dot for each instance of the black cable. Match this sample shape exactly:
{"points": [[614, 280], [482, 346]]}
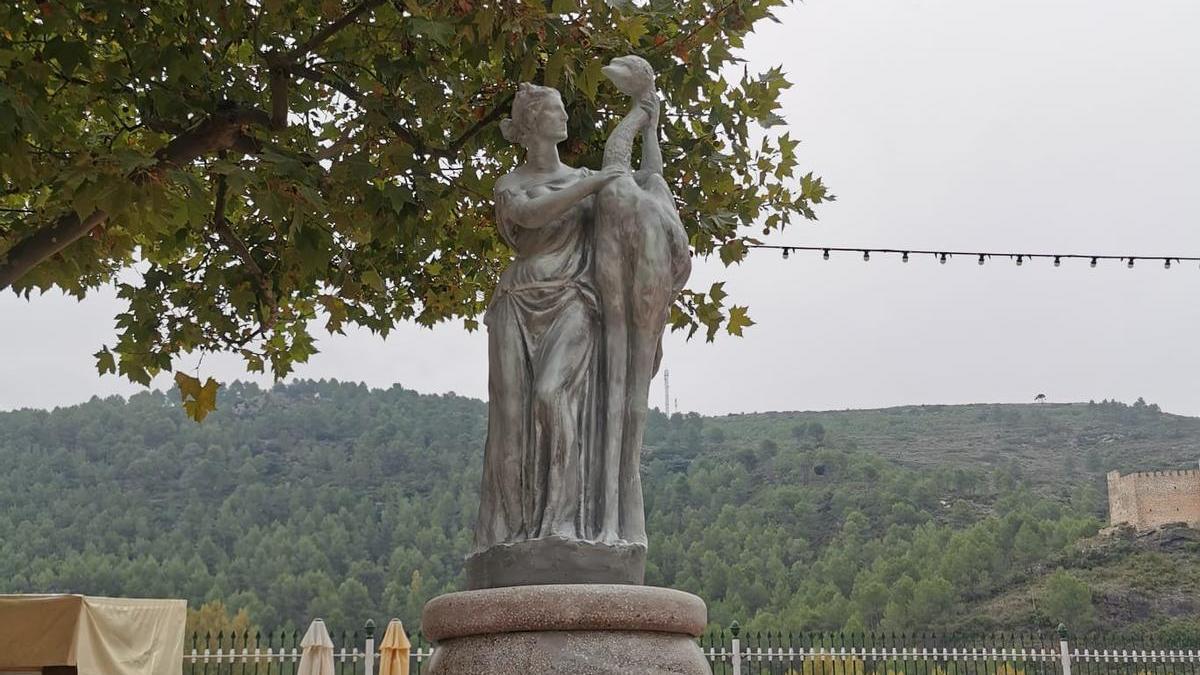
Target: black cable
{"points": [[982, 256]]}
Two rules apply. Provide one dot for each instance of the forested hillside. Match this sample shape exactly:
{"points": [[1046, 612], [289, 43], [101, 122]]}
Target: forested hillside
{"points": [[329, 499]]}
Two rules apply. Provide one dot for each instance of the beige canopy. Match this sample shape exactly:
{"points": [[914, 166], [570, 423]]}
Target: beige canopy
{"points": [[98, 636]]}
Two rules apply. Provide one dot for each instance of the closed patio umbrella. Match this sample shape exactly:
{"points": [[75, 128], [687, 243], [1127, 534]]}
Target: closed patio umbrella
{"points": [[394, 650], [316, 655]]}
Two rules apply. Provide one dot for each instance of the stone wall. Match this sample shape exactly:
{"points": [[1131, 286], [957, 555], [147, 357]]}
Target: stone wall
{"points": [[1151, 499]]}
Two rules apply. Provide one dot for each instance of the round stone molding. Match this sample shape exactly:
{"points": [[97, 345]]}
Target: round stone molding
{"points": [[563, 607]]}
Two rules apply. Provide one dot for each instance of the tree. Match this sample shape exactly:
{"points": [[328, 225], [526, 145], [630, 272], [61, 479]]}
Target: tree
{"points": [[213, 619], [239, 169], [1069, 601], [932, 602]]}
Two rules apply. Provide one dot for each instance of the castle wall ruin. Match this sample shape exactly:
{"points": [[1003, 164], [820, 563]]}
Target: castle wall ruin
{"points": [[1148, 500]]}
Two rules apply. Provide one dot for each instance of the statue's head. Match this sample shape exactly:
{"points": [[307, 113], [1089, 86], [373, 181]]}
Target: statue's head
{"points": [[631, 74], [537, 111]]}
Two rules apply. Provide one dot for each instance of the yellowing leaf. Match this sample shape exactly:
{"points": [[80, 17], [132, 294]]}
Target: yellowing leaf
{"points": [[198, 400], [189, 387], [738, 319]]}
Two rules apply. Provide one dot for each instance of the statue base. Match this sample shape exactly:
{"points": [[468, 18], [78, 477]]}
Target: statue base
{"points": [[566, 629], [556, 560]]}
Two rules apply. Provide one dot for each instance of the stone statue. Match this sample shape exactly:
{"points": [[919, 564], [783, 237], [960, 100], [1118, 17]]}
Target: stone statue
{"points": [[574, 338]]}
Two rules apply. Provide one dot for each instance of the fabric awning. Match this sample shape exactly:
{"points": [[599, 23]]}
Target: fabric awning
{"points": [[99, 636]]}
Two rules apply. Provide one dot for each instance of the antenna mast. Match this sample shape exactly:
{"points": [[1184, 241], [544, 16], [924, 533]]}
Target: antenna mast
{"points": [[667, 393]]}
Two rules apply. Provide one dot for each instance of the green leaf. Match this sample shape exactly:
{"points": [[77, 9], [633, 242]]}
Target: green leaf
{"points": [[717, 293], [372, 279], [554, 67], [69, 54], [589, 80], [105, 363], [633, 28], [440, 32], [733, 252]]}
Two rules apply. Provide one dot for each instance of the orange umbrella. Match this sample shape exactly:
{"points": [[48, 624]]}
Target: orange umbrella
{"points": [[394, 650]]}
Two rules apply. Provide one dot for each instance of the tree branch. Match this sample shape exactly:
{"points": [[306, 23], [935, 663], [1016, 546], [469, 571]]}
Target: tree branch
{"points": [[279, 97], [351, 93], [239, 248], [221, 131], [27, 253], [710, 19], [487, 119], [329, 31]]}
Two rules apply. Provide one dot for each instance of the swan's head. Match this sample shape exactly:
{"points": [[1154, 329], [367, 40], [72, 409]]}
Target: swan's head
{"points": [[631, 74]]}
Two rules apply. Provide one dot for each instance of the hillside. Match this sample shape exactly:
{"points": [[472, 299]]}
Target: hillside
{"points": [[330, 499], [1052, 443]]}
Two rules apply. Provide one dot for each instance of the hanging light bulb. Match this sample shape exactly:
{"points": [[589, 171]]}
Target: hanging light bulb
{"points": [[1057, 261], [942, 259], [980, 258], [866, 256], [1093, 262], [1020, 260], [786, 251], [1167, 264], [1131, 262], [904, 256], [825, 255]]}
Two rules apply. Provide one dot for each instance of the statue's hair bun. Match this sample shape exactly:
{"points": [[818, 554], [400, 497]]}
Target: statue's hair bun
{"points": [[508, 130]]}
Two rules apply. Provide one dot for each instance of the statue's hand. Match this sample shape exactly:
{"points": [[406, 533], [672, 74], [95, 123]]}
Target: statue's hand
{"points": [[650, 103], [604, 176]]}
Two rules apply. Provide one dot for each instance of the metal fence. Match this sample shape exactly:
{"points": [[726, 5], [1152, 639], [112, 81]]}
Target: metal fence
{"points": [[732, 652], [278, 653], [771, 653]]}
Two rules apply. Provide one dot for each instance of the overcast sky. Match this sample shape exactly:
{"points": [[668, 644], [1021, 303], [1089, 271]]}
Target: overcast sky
{"points": [[1039, 125]]}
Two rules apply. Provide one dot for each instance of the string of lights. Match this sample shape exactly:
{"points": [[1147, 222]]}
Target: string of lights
{"points": [[981, 257]]}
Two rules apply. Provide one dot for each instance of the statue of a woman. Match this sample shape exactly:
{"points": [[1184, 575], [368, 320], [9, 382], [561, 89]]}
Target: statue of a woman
{"points": [[543, 338], [572, 344]]}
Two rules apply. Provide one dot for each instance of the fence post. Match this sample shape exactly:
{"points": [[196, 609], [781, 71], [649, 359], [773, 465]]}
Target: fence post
{"points": [[734, 629], [1064, 649], [369, 657]]}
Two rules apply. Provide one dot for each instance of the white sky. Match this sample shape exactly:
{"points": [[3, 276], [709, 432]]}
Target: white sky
{"points": [[1038, 125]]}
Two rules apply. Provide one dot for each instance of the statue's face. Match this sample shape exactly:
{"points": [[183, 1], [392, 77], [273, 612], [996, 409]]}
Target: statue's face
{"points": [[552, 119]]}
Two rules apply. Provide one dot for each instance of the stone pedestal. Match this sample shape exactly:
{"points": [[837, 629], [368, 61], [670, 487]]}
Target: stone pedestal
{"points": [[567, 629], [555, 560]]}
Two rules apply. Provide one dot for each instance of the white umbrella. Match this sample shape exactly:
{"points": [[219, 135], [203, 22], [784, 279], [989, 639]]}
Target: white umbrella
{"points": [[316, 657], [394, 650]]}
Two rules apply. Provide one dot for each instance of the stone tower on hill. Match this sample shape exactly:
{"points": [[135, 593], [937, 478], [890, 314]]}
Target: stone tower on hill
{"points": [[1151, 499]]}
